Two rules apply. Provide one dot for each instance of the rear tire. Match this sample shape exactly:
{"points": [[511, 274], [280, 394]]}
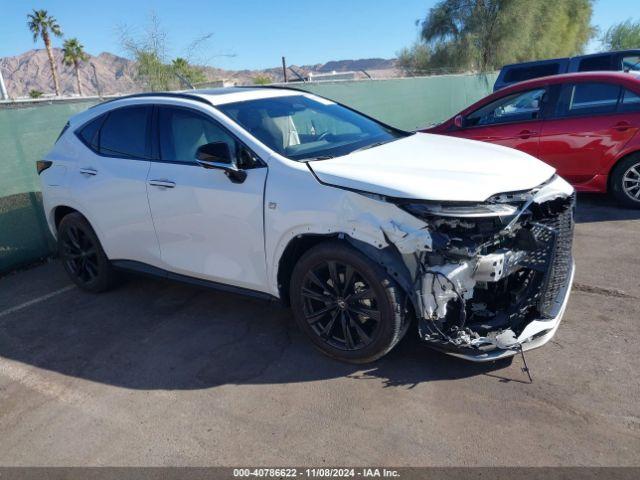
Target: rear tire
{"points": [[625, 181], [82, 255], [347, 305]]}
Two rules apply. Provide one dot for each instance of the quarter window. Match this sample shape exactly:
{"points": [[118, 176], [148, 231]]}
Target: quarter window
{"points": [[182, 131], [125, 133], [631, 63], [588, 98], [89, 133], [519, 74], [517, 107], [591, 64], [630, 101]]}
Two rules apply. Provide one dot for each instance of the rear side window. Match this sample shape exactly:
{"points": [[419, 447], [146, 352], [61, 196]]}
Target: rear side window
{"points": [[591, 64], [588, 99], [125, 133], [520, 74], [630, 101]]}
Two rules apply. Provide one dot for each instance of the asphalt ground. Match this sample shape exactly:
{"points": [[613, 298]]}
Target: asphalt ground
{"points": [[159, 373]]}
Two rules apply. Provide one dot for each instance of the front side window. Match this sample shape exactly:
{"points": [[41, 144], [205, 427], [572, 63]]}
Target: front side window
{"points": [[183, 131], [125, 133], [517, 107], [302, 128], [588, 99]]}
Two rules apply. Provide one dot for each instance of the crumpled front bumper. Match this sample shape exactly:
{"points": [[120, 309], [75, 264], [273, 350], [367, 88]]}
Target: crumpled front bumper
{"points": [[534, 335]]}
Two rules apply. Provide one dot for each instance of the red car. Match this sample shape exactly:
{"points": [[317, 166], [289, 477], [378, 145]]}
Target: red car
{"points": [[583, 124]]}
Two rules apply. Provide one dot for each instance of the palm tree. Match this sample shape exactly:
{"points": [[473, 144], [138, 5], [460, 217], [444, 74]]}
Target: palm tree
{"points": [[73, 53], [41, 23]]}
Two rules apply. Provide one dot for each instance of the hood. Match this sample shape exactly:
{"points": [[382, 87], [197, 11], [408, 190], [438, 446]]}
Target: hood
{"points": [[434, 167]]}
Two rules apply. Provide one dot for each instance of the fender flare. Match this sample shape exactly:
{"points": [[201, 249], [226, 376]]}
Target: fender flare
{"points": [[386, 255], [77, 208]]}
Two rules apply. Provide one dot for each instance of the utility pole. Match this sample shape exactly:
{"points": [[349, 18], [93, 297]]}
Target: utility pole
{"points": [[3, 89], [284, 69]]}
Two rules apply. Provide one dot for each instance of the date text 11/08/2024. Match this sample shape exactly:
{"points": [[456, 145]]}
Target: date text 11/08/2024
{"points": [[316, 472]]}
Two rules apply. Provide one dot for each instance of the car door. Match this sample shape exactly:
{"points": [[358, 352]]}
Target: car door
{"points": [[587, 128], [208, 226], [513, 121], [110, 182]]}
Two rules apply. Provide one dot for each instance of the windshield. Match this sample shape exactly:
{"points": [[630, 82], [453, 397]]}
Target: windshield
{"points": [[301, 128]]}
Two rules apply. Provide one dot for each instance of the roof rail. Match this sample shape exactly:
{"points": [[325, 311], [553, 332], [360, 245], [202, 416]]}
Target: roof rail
{"points": [[187, 96], [281, 86]]}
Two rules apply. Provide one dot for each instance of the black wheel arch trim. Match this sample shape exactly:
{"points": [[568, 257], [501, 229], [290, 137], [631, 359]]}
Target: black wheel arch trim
{"points": [[391, 260], [388, 258]]}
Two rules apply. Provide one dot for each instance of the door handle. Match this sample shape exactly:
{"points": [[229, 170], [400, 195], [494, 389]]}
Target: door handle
{"points": [[88, 171], [162, 183], [526, 134], [622, 126]]}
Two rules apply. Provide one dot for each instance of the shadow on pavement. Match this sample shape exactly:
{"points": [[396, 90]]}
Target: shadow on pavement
{"points": [[153, 334], [593, 207]]}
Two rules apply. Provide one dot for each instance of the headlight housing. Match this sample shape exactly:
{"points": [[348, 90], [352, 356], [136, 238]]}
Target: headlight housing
{"points": [[460, 211]]}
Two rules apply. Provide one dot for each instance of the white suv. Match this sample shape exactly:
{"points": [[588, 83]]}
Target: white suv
{"points": [[359, 226]]}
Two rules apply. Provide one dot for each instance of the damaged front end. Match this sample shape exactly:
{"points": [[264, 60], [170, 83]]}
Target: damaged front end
{"points": [[490, 279]]}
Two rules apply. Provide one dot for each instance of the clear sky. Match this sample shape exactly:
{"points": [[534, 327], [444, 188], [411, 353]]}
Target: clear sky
{"points": [[257, 32]]}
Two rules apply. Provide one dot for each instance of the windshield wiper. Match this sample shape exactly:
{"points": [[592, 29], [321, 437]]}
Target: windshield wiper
{"points": [[320, 157], [373, 145]]}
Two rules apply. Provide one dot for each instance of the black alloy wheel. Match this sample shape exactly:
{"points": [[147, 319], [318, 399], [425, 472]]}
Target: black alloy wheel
{"points": [[340, 306], [79, 254], [82, 255], [347, 304]]}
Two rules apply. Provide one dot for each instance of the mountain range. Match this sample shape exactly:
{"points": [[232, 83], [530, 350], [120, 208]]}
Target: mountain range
{"points": [[109, 74]]}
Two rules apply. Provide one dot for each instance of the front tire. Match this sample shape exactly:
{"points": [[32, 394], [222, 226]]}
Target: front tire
{"points": [[625, 181], [82, 255], [347, 305]]}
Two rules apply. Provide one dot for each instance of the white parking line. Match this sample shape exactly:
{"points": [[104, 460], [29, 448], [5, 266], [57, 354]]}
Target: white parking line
{"points": [[11, 310]]}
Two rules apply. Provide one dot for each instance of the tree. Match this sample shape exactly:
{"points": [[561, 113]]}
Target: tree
{"points": [[622, 36], [186, 72], [33, 93], [41, 25], [262, 80], [149, 51], [483, 35], [72, 54]]}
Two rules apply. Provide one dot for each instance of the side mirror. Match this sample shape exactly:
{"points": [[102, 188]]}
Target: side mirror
{"points": [[458, 121], [218, 155], [216, 152]]}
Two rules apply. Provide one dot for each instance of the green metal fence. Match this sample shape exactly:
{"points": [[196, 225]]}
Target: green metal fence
{"points": [[408, 103], [27, 133]]}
